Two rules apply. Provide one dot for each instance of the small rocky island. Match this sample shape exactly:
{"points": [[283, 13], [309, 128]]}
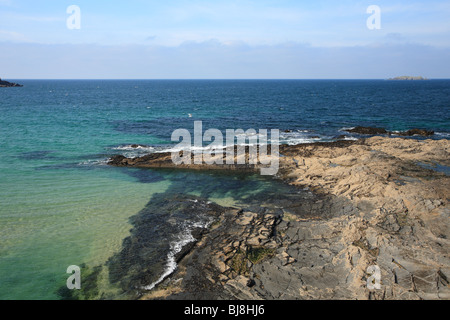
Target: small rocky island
{"points": [[408, 78], [6, 84]]}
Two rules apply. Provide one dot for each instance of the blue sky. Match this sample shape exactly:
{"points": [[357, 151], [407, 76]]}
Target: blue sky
{"points": [[224, 39]]}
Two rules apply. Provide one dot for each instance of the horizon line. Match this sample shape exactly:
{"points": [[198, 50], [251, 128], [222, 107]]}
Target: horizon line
{"points": [[216, 79]]}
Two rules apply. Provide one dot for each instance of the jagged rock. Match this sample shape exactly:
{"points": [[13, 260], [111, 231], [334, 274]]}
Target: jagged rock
{"points": [[367, 130], [118, 160], [416, 132], [378, 131]]}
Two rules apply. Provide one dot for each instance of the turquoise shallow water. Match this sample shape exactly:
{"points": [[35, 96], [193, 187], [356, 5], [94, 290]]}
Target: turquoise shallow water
{"points": [[60, 204]]}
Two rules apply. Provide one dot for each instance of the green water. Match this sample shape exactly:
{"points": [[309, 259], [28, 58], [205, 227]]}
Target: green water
{"points": [[63, 219]]}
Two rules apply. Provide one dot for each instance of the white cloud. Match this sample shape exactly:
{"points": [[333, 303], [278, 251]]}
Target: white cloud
{"points": [[6, 35]]}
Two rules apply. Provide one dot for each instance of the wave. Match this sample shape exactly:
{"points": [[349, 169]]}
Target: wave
{"points": [[300, 137], [195, 149], [289, 138], [94, 162], [293, 142], [133, 150], [133, 147], [346, 129], [443, 134], [349, 138]]}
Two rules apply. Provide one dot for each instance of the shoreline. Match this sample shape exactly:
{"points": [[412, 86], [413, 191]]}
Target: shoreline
{"points": [[368, 202]]}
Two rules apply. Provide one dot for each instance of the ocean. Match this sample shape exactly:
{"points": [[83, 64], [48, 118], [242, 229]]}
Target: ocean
{"points": [[61, 205]]}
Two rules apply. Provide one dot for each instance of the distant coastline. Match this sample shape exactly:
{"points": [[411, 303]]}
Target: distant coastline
{"points": [[408, 78]]}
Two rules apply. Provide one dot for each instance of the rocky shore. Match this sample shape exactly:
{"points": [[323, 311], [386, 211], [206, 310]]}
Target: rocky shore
{"points": [[378, 201]]}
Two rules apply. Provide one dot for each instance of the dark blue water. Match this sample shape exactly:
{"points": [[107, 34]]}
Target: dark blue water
{"points": [[61, 205], [154, 109], [321, 107]]}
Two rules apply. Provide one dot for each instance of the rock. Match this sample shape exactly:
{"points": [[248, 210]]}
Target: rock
{"points": [[118, 160], [416, 132], [4, 84], [367, 130], [378, 131]]}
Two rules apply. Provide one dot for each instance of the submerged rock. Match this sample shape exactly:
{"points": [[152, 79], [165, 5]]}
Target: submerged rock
{"points": [[416, 132], [367, 130], [378, 131]]}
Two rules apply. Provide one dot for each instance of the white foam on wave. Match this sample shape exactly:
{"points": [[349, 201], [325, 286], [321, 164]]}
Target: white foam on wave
{"points": [[132, 151], [130, 147], [346, 128], [94, 162], [442, 134], [298, 137], [195, 149], [350, 138], [191, 148], [289, 138], [296, 141]]}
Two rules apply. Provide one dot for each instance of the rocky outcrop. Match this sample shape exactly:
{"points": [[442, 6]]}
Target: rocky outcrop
{"points": [[360, 205], [381, 131], [4, 84], [164, 160], [367, 130]]}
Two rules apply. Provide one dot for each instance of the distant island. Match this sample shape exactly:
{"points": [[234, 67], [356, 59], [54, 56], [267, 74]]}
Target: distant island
{"points": [[5, 84], [408, 78]]}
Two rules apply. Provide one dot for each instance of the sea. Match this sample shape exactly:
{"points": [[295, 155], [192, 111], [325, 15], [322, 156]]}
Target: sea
{"points": [[61, 205]]}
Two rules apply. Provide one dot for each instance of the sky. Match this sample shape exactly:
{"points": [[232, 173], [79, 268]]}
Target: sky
{"points": [[224, 39]]}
